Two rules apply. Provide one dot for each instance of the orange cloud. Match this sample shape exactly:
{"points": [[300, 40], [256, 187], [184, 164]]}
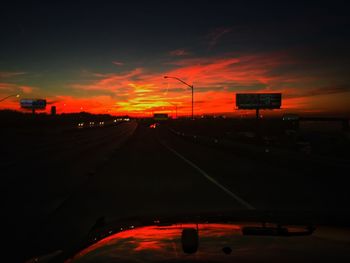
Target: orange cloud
{"points": [[142, 91], [216, 80], [96, 104], [27, 89]]}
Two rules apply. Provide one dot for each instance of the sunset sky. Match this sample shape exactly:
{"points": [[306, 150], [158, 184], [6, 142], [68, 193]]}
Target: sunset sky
{"points": [[112, 58]]}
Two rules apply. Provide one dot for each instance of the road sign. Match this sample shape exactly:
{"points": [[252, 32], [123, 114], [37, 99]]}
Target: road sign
{"points": [[33, 104], [258, 100]]}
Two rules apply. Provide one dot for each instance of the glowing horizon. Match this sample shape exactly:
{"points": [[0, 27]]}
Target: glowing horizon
{"points": [[140, 91]]}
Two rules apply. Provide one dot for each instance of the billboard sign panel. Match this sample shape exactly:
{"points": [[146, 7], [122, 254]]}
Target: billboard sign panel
{"points": [[160, 116], [258, 100], [33, 104]]}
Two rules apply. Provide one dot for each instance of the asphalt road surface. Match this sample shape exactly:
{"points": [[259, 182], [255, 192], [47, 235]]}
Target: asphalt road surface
{"points": [[133, 170]]}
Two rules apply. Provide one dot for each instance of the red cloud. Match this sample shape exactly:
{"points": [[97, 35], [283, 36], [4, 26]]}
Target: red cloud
{"points": [[216, 80], [27, 89], [142, 91], [7, 89]]}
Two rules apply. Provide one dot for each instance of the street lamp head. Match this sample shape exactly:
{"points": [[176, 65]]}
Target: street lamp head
{"points": [[17, 96]]}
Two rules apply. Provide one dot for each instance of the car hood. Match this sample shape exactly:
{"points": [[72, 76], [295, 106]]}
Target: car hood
{"points": [[218, 242]]}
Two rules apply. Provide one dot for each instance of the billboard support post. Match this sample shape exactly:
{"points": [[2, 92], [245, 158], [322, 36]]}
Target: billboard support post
{"points": [[257, 102]]}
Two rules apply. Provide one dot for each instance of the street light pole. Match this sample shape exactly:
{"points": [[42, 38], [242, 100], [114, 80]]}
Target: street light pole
{"points": [[13, 95], [192, 102], [192, 89]]}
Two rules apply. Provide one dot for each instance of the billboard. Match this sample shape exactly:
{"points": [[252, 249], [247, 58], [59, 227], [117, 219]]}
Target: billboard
{"points": [[160, 116], [258, 100], [33, 103]]}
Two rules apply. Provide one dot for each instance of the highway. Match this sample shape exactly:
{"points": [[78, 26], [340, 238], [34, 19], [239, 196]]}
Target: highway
{"points": [[132, 170], [41, 170]]}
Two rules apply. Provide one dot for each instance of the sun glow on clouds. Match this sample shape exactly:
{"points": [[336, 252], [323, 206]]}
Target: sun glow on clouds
{"points": [[142, 91], [216, 80]]}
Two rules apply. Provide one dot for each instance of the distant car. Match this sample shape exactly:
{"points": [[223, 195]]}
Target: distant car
{"points": [[91, 123], [101, 123], [290, 117], [154, 125], [81, 125]]}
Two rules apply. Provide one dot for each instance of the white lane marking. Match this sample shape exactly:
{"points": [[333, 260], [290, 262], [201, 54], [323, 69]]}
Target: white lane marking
{"points": [[211, 179]]}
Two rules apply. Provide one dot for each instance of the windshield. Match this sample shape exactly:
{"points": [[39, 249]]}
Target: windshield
{"points": [[112, 111]]}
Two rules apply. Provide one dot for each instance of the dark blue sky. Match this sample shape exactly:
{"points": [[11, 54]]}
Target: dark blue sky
{"points": [[85, 30]]}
